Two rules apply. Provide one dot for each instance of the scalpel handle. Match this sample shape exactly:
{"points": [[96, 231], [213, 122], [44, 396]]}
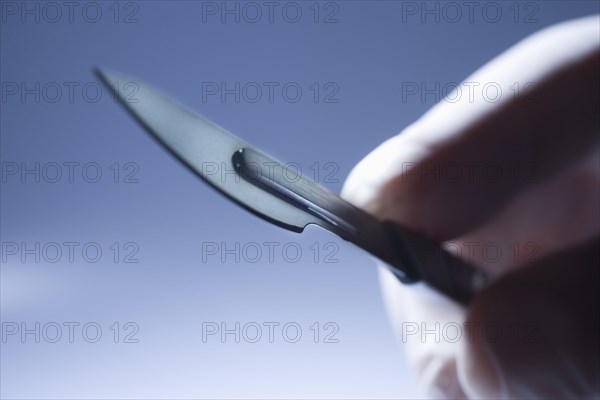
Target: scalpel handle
{"points": [[421, 259]]}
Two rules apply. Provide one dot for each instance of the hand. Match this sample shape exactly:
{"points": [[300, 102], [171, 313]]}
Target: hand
{"points": [[510, 183]]}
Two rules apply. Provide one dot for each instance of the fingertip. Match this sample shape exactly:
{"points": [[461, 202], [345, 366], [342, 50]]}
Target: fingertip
{"points": [[373, 183]]}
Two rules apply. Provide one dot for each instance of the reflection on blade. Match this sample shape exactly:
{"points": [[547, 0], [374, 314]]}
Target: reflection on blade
{"points": [[203, 147]]}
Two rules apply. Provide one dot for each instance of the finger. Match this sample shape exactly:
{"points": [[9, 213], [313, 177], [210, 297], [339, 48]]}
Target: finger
{"points": [[404, 179], [536, 331], [552, 217]]}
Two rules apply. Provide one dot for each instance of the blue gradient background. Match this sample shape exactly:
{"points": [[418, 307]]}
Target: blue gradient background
{"points": [[169, 213]]}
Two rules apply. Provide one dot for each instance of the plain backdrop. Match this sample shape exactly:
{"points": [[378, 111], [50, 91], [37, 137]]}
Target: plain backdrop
{"points": [[343, 76]]}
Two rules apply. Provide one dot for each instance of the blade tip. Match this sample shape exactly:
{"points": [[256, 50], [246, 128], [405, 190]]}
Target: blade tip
{"points": [[101, 74]]}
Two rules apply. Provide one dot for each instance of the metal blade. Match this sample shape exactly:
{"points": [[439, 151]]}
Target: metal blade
{"points": [[245, 174], [202, 146]]}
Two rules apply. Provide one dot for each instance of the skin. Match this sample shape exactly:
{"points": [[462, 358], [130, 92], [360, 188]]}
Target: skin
{"points": [[550, 209]]}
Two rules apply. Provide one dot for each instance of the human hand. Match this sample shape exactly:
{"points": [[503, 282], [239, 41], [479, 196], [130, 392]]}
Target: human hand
{"points": [[518, 177]]}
